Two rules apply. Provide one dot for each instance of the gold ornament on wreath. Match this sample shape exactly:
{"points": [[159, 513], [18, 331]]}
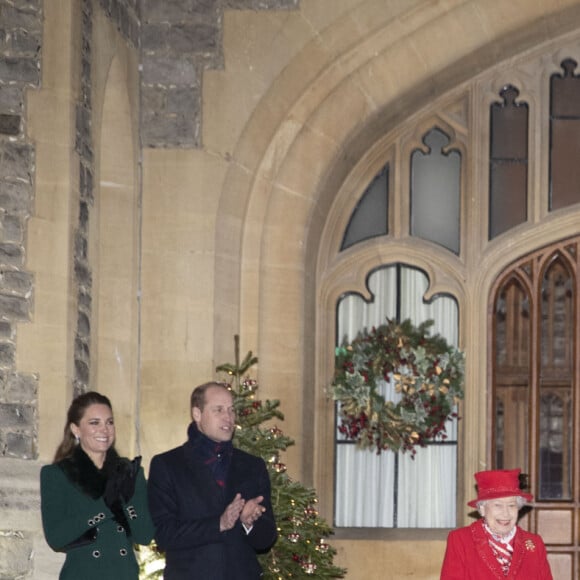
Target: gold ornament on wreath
{"points": [[426, 372]]}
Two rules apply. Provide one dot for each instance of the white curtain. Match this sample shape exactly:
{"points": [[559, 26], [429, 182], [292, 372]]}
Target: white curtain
{"points": [[392, 489]]}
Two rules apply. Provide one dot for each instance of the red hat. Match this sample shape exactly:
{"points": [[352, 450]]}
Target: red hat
{"points": [[498, 483]]}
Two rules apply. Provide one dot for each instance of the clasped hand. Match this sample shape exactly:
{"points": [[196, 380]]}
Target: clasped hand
{"points": [[247, 511]]}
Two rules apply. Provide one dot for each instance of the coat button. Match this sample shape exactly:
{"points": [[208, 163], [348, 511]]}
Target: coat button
{"points": [[123, 552], [120, 529], [96, 554]]}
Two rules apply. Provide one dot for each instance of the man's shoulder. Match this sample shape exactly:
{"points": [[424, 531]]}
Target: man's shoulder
{"points": [[175, 454]]}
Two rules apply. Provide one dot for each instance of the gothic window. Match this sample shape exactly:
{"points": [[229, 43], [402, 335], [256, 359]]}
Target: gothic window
{"points": [[565, 137], [480, 164], [395, 490], [435, 192], [508, 163]]}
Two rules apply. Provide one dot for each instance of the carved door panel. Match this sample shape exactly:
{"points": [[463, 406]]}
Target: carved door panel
{"points": [[535, 403]]}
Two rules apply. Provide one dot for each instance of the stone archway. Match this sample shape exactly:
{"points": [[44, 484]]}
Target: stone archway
{"points": [[374, 73]]}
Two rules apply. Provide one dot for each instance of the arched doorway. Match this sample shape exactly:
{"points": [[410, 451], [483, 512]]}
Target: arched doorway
{"points": [[535, 383]]}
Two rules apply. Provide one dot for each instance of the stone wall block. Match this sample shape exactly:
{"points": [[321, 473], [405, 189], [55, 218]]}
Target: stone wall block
{"points": [[25, 42], [20, 70], [195, 38], [10, 124], [16, 549], [180, 99], [85, 87], [153, 97], [155, 37], [83, 121], [81, 246], [82, 348], [22, 387], [21, 444], [16, 159], [262, 4], [16, 282], [164, 70], [177, 10], [84, 325], [15, 196], [81, 372], [85, 300], [16, 415], [17, 499], [15, 307], [7, 352], [83, 147], [7, 332], [86, 183], [160, 100], [4, 384], [83, 215], [125, 15], [11, 99], [11, 227], [11, 255], [181, 39], [20, 16], [83, 273], [174, 130]]}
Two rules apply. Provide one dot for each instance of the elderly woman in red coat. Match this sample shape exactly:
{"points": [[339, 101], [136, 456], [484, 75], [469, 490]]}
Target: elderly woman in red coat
{"points": [[495, 546]]}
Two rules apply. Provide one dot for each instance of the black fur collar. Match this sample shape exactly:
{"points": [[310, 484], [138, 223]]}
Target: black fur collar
{"points": [[83, 473]]}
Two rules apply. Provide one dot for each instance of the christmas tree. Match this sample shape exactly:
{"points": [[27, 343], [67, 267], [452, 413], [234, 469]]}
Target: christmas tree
{"points": [[302, 549]]}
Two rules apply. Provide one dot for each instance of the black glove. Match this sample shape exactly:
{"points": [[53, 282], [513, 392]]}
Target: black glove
{"points": [[120, 488], [121, 480]]}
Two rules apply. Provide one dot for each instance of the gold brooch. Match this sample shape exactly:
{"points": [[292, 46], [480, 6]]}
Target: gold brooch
{"points": [[530, 546]]}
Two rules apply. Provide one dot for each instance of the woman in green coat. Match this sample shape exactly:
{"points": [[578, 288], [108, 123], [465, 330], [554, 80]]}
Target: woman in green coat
{"points": [[94, 503]]}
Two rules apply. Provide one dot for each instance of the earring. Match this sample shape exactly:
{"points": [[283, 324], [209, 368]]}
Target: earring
{"points": [[77, 439]]}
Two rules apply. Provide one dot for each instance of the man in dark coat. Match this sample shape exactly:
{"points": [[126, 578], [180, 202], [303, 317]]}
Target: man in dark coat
{"points": [[209, 501]]}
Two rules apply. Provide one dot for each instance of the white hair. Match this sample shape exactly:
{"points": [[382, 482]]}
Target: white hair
{"points": [[520, 500]]}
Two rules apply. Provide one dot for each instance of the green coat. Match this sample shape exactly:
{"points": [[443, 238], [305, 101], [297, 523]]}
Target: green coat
{"points": [[68, 512]]}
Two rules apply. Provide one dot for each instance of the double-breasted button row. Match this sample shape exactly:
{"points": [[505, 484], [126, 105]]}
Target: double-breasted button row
{"points": [[97, 553], [132, 512], [96, 519]]}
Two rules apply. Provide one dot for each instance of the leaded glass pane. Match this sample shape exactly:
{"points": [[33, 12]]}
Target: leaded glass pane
{"points": [[435, 192], [508, 180], [555, 469], [370, 216], [512, 375], [565, 137]]}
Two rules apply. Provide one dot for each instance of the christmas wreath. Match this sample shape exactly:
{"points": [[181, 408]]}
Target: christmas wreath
{"points": [[427, 376]]}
